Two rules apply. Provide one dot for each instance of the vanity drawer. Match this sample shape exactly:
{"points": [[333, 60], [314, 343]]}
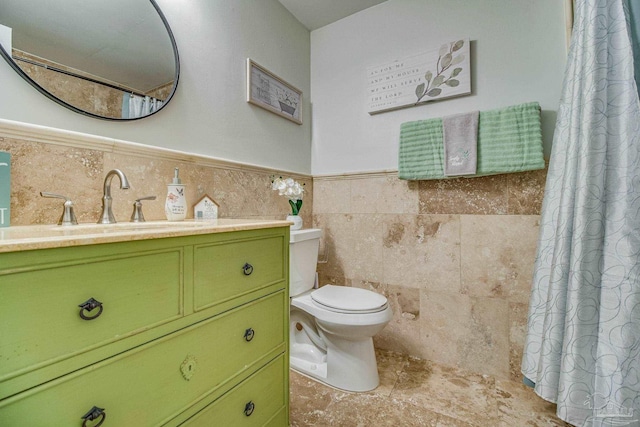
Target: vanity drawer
{"points": [[40, 320], [152, 384], [254, 402], [225, 270]]}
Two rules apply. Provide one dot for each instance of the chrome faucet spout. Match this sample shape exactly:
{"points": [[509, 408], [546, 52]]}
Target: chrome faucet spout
{"points": [[124, 182], [107, 214]]}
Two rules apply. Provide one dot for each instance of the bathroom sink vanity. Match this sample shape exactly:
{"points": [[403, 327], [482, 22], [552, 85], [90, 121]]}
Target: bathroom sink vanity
{"points": [[145, 325]]}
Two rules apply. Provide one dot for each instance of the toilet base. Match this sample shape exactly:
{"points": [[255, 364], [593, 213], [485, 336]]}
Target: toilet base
{"points": [[316, 371], [352, 370]]}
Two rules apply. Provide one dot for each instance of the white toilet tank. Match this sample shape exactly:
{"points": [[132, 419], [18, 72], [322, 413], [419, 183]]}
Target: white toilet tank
{"points": [[303, 258]]}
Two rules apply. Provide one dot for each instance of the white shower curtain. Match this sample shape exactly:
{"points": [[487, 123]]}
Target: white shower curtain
{"points": [[135, 106], [583, 344]]}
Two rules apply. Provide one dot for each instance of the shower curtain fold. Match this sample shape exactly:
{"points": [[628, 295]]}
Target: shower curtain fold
{"points": [[135, 106], [634, 33], [582, 349]]}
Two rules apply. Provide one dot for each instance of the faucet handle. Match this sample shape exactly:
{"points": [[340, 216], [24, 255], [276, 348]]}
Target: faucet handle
{"points": [[68, 217], [137, 216], [146, 198]]}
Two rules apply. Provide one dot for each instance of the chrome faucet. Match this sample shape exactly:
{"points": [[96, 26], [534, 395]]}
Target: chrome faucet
{"points": [[107, 214]]}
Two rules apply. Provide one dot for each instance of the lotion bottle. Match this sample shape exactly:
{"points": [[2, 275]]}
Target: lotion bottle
{"points": [[176, 205]]}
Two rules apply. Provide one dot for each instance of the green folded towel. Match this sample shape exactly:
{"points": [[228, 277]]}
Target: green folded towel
{"points": [[509, 140]]}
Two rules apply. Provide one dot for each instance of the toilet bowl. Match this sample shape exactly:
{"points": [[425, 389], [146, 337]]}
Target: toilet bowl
{"points": [[332, 328]]}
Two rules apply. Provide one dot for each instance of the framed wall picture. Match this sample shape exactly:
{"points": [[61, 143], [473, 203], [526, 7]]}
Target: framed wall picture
{"points": [[427, 76], [270, 92]]}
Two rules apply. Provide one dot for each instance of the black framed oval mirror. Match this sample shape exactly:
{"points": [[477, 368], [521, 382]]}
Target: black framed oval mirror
{"points": [[112, 60]]}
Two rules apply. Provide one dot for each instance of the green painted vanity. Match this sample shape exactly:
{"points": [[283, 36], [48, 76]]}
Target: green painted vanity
{"points": [[156, 324]]}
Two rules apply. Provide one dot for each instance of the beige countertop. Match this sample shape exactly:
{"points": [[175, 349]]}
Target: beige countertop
{"points": [[30, 237]]}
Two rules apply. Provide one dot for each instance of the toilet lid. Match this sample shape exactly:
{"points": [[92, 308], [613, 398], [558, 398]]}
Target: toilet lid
{"points": [[348, 299]]}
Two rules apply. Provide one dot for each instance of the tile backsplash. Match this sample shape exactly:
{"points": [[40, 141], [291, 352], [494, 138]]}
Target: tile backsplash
{"points": [[76, 168]]}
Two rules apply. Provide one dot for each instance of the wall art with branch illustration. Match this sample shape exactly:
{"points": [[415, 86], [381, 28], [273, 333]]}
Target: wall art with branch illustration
{"points": [[270, 92], [429, 76]]}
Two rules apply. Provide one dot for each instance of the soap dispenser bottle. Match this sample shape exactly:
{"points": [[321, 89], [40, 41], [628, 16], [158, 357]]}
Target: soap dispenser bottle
{"points": [[176, 205]]}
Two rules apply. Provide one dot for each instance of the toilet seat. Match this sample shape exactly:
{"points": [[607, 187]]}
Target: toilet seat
{"points": [[348, 300]]}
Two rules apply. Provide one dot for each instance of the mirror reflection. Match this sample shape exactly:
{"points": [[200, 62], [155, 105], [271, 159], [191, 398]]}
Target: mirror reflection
{"points": [[114, 59]]}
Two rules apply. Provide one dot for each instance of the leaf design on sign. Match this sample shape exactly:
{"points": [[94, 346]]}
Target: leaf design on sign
{"points": [[445, 74], [446, 60], [458, 59], [438, 80], [443, 49]]}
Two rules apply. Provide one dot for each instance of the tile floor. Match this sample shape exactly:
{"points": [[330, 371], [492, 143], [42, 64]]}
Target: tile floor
{"points": [[415, 392]]}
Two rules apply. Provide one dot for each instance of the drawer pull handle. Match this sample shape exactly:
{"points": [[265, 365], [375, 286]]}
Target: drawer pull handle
{"points": [[247, 269], [248, 408], [88, 306], [248, 334], [94, 414]]}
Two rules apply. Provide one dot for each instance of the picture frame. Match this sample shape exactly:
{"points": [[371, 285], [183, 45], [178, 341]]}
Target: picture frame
{"points": [[268, 91], [428, 76]]}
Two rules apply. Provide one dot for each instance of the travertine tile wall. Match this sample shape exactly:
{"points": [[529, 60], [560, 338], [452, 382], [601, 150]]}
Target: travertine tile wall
{"points": [[454, 257], [79, 173]]}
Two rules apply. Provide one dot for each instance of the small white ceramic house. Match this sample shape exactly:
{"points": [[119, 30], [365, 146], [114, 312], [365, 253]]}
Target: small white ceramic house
{"points": [[205, 209]]}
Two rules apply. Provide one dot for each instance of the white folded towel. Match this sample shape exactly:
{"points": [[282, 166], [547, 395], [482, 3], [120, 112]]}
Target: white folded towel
{"points": [[460, 140]]}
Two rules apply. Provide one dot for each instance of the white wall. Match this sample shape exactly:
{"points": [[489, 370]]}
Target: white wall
{"points": [[518, 53], [208, 114]]}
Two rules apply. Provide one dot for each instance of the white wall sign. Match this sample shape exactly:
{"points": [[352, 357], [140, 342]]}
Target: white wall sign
{"points": [[270, 92], [434, 75]]}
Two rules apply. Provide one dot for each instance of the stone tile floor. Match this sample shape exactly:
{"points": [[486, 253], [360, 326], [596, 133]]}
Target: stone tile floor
{"points": [[415, 392]]}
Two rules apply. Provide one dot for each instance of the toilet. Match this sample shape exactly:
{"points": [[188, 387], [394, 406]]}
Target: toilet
{"points": [[331, 328]]}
